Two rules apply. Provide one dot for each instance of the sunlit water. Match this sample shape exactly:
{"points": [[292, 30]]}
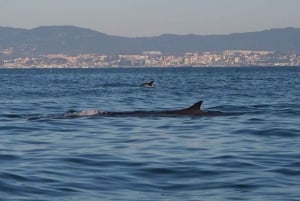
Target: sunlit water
{"points": [[251, 154]]}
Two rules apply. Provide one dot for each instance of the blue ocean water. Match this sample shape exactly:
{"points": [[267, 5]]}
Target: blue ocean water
{"points": [[251, 154]]}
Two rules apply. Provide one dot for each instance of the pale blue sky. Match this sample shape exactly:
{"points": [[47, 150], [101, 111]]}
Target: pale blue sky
{"points": [[153, 17]]}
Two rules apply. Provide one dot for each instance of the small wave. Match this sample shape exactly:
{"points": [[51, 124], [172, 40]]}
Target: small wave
{"points": [[287, 171], [69, 114], [84, 113], [7, 187], [8, 157], [116, 85], [277, 132], [42, 117], [13, 176], [11, 116]]}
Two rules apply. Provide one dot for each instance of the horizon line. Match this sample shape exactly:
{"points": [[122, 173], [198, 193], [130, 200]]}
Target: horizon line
{"points": [[163, 34]]}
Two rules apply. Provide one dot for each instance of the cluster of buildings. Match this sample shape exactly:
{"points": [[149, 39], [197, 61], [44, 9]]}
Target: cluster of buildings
{"points": [[158, 59]]}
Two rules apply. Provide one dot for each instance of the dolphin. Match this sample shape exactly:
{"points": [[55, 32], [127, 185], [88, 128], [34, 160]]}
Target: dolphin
{"points": [[148, 84], [194, 110]]}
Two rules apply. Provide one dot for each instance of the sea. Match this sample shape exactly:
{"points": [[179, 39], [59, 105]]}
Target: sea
{"points": [[251, 153]]}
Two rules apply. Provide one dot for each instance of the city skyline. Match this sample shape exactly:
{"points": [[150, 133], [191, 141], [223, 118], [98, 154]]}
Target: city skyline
{"points": [[150, 18], [227, 58]]}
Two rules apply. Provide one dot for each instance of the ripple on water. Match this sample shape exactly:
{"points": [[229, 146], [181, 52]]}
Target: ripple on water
{"points": [[250, 154], [9, 157], [278, 132]]}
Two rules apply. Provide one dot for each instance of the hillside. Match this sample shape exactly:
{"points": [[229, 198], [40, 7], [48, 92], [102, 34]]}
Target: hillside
{"points": [[75, 40]]}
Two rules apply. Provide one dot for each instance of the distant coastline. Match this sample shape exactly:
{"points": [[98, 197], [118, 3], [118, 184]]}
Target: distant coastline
{"points": [[69, 46], [156, 59]]}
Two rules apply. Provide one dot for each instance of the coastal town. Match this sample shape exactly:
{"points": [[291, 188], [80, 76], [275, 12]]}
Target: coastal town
{"points": [[154, 59]]}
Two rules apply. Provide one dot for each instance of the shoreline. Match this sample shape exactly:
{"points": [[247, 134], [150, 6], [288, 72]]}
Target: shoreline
{"points": [[145, 67]]}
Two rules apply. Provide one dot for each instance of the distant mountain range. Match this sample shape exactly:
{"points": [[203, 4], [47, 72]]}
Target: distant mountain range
{"points": [[75, 40]]}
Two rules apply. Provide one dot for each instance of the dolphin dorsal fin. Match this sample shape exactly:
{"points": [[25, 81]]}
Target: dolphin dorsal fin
{"points": [[196, 106]]}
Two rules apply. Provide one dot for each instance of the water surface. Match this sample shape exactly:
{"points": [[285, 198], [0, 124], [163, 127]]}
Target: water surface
{"points": [[253, 155]]}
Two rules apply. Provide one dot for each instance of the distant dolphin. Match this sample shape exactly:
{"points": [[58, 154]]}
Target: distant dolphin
{"points": [[194, 110], [148, 84]]}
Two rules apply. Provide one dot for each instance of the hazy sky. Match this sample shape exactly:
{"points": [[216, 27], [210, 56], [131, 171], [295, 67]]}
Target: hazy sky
{"points": [[153, 17]]}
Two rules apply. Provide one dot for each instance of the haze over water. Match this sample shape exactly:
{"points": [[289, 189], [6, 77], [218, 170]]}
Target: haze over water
{"points": [[251, 154]]}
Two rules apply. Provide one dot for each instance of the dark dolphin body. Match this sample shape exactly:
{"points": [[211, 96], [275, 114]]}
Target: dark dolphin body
{"points": [[148, 84], [194, 110]]}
